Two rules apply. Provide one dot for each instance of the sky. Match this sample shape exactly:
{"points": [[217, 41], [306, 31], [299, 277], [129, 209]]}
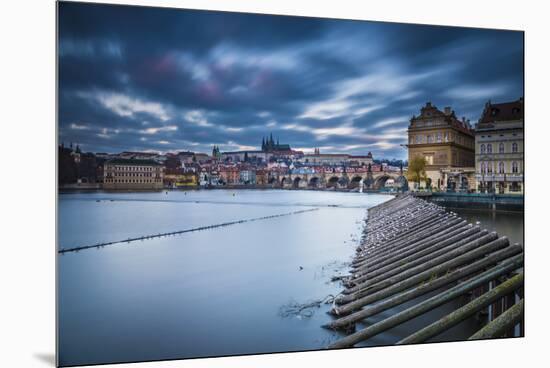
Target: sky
{"points": [[168, 80]]}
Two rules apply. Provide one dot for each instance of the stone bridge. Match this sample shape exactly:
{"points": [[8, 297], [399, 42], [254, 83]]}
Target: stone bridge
{"points": [[339, 180]]}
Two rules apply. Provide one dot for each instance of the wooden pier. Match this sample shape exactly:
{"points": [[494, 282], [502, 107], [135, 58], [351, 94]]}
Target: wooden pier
{"points": [[412, 247]]}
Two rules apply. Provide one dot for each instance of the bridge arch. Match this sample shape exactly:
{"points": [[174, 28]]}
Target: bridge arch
{"points": [[296, 182], [332, 182], [380, 181], [343, 181], [284, 181], [314, 182], [401, 184], [272, 180], [355, 182]]}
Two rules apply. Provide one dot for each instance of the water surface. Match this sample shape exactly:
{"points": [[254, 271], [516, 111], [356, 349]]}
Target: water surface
{"points": [[219, 291], [207, 293]]}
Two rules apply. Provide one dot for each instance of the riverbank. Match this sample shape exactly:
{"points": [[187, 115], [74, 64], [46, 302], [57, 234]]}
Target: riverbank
{"points": [[97, 187]]}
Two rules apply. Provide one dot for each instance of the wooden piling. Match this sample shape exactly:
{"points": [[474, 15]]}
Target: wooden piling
{"points": [[425, 306], [411, 247], [465, 312], [501, 324]]}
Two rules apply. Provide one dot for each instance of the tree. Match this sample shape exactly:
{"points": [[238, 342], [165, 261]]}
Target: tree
{"points": [[417, 169]]}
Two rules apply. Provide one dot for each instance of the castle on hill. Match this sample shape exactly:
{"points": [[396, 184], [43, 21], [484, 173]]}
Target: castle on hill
{"points": [[269, 145]]}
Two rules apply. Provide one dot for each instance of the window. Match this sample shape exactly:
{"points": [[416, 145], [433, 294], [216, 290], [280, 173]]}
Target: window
{"points": [[490, 167], [501, 167], [501, 148], [483, 167], [482, 148], [514, 147], [430, 138], [489, 148], [418, 139], [515, 167]]}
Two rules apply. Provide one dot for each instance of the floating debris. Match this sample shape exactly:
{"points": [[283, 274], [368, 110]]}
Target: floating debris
{"points": [[303, 310]]}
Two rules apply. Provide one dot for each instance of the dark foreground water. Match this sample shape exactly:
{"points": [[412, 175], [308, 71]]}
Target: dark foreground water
{"points": [[219, 291], [509, 224]]}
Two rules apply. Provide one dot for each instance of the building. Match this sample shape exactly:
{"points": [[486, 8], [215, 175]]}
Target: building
{"points": [[269, 145], [133, 174], [140, 155], [335, 159], [180, 178], [228, 174], [499, 148], [186, 157], [245, 156], [445, 142], [262, 176], [365, 160], [247, 176]]}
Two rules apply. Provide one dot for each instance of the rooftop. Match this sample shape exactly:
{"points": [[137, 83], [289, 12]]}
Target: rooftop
{"points": [[506, 111], [132, 161]]}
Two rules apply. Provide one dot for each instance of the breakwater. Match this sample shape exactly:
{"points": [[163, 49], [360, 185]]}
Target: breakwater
{"points": [[178, 232], [412, 247]]}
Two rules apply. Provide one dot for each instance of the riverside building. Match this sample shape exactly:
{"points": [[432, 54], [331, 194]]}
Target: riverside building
{"points": [[499, 148], [133, 174], [448, 146]]}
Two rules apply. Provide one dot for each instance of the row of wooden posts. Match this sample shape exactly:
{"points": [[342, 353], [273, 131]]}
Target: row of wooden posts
{"points": [[178, 232], [412, 247]]}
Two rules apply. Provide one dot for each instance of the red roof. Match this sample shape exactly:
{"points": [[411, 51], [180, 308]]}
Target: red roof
{"points": [[502, 111]]}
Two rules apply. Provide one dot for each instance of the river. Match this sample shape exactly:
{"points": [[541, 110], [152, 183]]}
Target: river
{"points": [[220, 291], [207, 293]]}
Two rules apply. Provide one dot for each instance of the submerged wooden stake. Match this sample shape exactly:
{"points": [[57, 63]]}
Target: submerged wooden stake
{"points": [[465, 312], [411, 247], [501, 324]]}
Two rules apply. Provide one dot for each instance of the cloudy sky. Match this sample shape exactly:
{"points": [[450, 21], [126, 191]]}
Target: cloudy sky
{"points": [[135, 78]]}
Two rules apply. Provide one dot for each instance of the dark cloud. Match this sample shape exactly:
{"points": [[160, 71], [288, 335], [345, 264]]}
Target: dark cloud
{"points": [[166, 79]]}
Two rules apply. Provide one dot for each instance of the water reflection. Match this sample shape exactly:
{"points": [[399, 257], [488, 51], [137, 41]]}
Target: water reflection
{"points": [[509, 224]]}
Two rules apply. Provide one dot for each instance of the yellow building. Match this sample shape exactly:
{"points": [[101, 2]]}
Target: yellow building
{"points": [[181, 179], [187, 180], [130, 174], [446, 143], [499, 148]]}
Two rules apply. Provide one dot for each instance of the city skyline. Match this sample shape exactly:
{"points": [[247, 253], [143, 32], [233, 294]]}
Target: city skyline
{"points": [[134, 78]]}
